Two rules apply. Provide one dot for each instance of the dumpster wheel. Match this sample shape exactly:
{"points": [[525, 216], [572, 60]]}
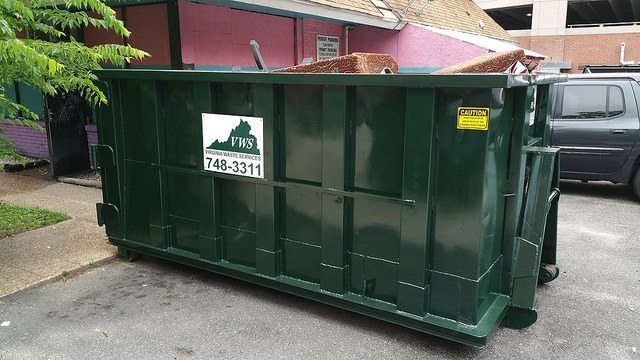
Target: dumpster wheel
{"points": [[548, 272], [128, 255]]}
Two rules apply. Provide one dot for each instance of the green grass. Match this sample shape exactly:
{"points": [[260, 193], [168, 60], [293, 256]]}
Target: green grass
{"points": [[16, 219]]}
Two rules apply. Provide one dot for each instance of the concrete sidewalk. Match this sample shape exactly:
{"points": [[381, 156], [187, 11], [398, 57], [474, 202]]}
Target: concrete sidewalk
{"points": [[42, 254]]}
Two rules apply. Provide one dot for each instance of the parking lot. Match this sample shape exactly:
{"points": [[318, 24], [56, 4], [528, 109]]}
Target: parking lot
{"points": [[159, 310]]}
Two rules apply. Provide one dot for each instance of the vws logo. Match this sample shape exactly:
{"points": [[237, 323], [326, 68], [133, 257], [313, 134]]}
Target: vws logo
{"points": [[240, 139], [233, 144], [243, 142]]}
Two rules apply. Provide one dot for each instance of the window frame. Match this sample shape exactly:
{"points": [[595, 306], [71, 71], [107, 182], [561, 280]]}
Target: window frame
{"points": [[624, 102], [560, 103]]}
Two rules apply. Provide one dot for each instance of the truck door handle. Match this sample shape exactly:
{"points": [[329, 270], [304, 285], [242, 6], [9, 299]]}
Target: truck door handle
{"points": [[619, 132]]}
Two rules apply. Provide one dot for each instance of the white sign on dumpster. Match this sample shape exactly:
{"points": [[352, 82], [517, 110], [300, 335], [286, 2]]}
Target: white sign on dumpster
{"points": [[233, 144], [328, 47]]}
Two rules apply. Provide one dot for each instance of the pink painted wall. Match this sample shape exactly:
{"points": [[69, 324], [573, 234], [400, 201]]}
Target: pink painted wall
{"points": [[94, 36], [149, 32], [219, 36], [413, 46]]}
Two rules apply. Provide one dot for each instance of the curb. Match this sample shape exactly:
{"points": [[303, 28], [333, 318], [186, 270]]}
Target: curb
{"points": [[25, 166], [81, 182], [69, 274]]}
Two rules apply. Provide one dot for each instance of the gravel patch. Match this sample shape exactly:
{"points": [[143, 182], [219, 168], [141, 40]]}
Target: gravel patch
{"points": [[89, 178], [92, 175]]}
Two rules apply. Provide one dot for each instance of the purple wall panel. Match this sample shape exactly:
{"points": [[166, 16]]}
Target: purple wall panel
{"points": [[92, 138], [30, 142]]}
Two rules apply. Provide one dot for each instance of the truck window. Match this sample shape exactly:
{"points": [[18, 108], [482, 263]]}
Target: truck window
{"points": [[584, 102], [616, 101]]}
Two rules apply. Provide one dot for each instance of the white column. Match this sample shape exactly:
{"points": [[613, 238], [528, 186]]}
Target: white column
{"points": [[549, 17]]}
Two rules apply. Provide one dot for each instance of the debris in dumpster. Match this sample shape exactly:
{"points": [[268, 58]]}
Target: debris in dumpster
{"points": [[509, 62], [356, 63]]}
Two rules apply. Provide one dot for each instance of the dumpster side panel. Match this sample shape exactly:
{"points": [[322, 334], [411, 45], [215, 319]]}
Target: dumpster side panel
{"points": [[495, 179], [180, 119], [139, 120], [495, 194], [187, 198], [301, 218], [378, 120], [183, 193], [458, 208], [141, 177], [238, 204], [303, 129], [267, 105], [336, 213], [419, 176], [302, 234], [110, 161], [469, 209]]}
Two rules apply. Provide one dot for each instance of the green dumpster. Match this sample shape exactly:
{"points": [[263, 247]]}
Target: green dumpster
{"points": [[428, 201]]}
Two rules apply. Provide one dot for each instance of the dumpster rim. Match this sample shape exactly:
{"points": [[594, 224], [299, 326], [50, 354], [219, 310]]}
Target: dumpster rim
{"points": [[491, 80]]}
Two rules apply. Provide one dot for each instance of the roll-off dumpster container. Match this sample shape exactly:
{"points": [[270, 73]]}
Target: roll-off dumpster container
{"points": [[429, 201]]}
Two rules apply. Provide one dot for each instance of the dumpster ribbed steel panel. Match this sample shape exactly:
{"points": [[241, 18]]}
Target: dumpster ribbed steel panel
{"points": [[372, 200]]}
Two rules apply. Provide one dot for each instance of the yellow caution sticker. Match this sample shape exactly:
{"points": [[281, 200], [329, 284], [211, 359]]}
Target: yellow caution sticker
{"points": [[473, 118]]}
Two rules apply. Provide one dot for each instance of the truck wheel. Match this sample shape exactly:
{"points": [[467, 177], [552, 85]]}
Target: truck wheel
{"points": [[548, 272], [636, 183]]}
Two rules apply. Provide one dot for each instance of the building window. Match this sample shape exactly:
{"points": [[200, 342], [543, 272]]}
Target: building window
{"points": [[582, 13], [513, 18]]}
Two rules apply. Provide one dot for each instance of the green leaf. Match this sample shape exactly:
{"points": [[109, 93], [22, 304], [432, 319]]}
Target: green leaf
{"points": [[52, 67], [39, 58]]}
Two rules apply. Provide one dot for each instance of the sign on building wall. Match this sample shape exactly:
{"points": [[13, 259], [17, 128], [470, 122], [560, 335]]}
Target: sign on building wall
{"points": [[328, 47]]}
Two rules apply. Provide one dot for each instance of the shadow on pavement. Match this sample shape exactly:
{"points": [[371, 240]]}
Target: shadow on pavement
{"points": [[41, 172], [599, 189], [213, 282]]}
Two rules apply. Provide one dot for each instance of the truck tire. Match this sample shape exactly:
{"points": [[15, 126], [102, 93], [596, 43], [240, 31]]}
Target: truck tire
{"points": [[636, 183]]}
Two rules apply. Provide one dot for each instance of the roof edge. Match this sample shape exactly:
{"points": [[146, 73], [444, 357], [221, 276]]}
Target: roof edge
{"points": [[307, 9], [490, 43]]}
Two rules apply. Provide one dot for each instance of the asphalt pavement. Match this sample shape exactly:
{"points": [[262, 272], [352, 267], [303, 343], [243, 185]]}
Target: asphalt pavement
{"points": [[153, 309]]}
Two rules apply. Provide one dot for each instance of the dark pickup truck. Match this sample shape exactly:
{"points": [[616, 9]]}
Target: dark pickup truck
{"points": [[596, 121]]}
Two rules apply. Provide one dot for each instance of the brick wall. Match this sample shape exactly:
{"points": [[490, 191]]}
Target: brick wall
{"points": [[600, 49], [92, 138], [583, 50], [34, 143], [523, 41], [552, 46], [30, 142]]}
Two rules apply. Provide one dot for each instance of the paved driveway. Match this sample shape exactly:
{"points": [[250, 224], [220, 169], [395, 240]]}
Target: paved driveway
{"points": [[158, 310]]}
